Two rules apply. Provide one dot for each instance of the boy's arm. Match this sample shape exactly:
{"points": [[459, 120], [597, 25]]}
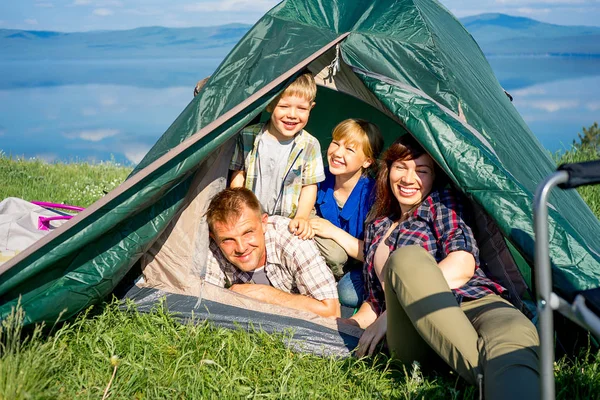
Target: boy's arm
{"points": [[299, 226], [306, 202], [237, 166], [238, 179]]}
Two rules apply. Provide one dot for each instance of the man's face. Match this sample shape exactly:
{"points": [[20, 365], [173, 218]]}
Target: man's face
{"points": [[242, 242]]}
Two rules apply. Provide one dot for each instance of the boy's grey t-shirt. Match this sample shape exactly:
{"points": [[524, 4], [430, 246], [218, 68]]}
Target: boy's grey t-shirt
{"points": [[271, 163]]}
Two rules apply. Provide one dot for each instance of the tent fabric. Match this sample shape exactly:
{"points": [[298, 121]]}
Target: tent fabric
{"points": [[408, 65], [311, 333], [19, 225]]}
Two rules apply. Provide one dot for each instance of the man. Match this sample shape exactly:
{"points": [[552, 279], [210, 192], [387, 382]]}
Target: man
{"points": [[256, 255]]}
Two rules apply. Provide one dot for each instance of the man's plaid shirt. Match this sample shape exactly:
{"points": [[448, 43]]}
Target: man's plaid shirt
{"points": [[293, 265], [437, 225], [304, 166]]}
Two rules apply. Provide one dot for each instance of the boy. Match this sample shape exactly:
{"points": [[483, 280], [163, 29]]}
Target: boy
{"points": [[281, 162]]}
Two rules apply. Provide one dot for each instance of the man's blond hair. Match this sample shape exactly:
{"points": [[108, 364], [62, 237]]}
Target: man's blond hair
{"points": [[227, 206]]}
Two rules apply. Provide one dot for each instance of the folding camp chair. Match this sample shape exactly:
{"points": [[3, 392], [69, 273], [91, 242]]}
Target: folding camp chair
{"points": [[567, 176]]}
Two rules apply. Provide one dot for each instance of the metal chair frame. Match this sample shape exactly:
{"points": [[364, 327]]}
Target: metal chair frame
{"points": [[548, 301]]}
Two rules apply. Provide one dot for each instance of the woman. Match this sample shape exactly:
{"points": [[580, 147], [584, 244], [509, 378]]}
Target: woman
{"points": [[425, 290]]}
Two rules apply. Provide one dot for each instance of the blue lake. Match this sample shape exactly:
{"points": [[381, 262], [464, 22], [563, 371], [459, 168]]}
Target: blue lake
{"points": [[95, 111]]}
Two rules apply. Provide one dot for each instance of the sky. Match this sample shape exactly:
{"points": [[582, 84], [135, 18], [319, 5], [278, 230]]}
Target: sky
{"points": [[86, 15]]}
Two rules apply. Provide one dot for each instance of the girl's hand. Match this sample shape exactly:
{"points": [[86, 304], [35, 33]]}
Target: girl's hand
{"points": [[322, 227], [372, 336], [301, 228]]}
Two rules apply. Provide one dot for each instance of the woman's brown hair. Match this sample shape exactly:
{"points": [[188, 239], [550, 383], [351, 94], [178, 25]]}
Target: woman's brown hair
{"points": [[404, 148]]}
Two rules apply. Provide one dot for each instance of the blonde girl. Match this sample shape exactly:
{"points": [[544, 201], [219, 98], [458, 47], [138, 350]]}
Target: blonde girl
{"points": [[344, 199]]}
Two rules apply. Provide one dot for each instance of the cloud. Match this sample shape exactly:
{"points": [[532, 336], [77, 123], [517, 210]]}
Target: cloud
{"points": [[465, 12], [44, 5], [108, 101], [135, 152], [109, 3], [47, 157], [82, 2], [95, 135], [530, 91], [103, 12], [595, 106], [31, 21], [231, 5], [555, 2], [554, 106], [533, 11], [144, 11], [89, 111]]}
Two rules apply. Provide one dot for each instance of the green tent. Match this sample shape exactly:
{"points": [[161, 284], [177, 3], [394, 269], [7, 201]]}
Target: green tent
{"points": [[409, 66]]}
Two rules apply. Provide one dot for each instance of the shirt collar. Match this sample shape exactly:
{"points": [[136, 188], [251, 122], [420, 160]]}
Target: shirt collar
{"points": [[424, 209]]}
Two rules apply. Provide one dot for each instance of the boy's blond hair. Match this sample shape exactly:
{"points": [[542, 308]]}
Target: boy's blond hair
{"points": [[360, 133], [304, 87]]}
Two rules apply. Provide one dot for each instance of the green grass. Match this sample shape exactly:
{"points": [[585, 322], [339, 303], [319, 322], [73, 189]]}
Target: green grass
{"points": [[77, 184], [158, 357], [161, 358], [591, 194]]}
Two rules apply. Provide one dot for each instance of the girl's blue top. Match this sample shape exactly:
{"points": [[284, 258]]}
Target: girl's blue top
{"points": [[351, 218]]}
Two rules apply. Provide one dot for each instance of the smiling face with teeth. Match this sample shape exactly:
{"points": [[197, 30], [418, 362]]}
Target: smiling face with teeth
{"points": [[242, 239], [289, 116], [411, 181], [346, 158]]}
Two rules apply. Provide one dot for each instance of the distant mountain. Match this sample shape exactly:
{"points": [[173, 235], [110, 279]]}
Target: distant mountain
{"points": [[500, 34], [148, 42], [497, 34]]}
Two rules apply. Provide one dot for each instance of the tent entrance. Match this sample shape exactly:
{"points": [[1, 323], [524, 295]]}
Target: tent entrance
{"points": [[176, 261]]}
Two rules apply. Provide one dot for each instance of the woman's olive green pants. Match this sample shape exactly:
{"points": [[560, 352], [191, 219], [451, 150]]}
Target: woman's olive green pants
{"points": [[484, 338]]}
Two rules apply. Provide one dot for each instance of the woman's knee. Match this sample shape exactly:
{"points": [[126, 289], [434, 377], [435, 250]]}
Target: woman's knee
{"points": [[404, 260], [511, 329]]}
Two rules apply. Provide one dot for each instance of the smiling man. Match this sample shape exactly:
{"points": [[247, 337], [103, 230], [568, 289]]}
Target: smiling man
{"points": [[256, 255]]}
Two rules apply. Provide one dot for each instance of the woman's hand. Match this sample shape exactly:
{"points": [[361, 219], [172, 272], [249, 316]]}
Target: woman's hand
{"points": [[322, 227], [372, 336]]}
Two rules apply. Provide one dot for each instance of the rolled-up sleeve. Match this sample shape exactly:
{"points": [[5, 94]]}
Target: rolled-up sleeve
{"points": [[313, 170], [453, 232]]}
